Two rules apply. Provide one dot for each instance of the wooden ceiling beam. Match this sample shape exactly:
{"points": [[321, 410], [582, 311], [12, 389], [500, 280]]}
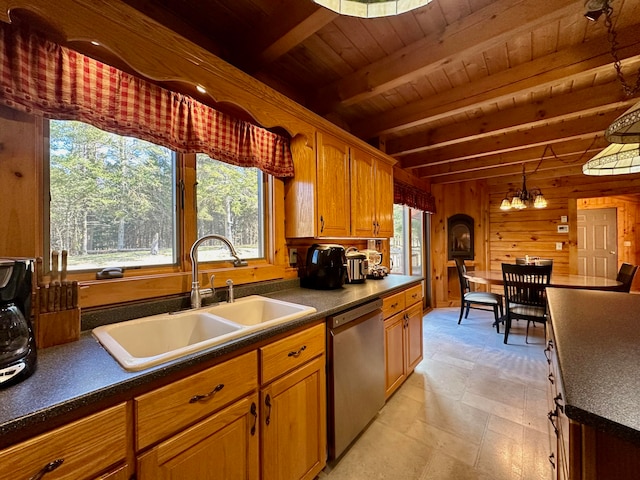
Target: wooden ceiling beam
{"points": [[512, 174], [582, 128], [573, 63], [583, 103], [295, 35], [473, 34], [586, 148]]}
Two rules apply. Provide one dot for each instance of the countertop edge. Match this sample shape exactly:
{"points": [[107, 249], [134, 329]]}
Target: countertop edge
{"points": [[117, 382]]}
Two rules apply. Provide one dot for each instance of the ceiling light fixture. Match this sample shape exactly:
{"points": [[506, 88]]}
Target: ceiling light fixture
{"points": [[371, 8], [616, 159], [523, 198]]}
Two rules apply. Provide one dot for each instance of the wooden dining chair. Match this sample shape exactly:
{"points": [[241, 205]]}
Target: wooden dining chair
{"points": [[477, 300], [625, 275], [524, 293]]}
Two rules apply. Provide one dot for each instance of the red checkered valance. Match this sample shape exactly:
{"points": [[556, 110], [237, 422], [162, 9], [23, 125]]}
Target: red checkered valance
{"points": [[413, 197], [43, 78]]}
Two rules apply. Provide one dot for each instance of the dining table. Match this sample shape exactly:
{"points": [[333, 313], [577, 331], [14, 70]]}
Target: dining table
{"points": [[588, 282]]}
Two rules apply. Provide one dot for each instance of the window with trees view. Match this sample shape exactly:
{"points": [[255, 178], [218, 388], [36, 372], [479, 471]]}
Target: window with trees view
{"points": [[113, 201], [230, 203], [111, 198]]}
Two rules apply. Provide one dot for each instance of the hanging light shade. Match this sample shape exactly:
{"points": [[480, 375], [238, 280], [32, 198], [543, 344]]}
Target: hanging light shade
{"points": [[616, 159], [625, 128], [371, 8]]}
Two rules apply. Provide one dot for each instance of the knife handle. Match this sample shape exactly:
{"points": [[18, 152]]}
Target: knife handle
{"points": [[54, 268], [63, 269]]}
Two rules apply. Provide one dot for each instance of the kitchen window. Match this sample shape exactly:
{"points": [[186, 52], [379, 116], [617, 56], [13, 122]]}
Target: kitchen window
{"points": [[113, 202], [407, 245], [111, 198], [230, 202]]}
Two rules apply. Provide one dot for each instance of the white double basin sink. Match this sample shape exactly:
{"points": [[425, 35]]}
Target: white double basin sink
{"points": [[148, 341]]}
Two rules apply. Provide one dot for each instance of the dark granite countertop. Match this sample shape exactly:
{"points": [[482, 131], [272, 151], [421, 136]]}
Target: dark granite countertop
{"points": [[79, 374], [597, 338]]}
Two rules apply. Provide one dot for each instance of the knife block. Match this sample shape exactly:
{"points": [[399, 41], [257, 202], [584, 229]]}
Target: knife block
{"points": [[56, 328]]}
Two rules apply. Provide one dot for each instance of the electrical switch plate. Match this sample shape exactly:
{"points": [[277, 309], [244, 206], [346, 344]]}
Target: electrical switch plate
{"points": [[558, 245], [564, 218], [293, 256], [563, 228]]}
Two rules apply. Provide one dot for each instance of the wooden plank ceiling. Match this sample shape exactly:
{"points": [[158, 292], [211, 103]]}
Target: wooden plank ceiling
{"points": [[455, 90]]}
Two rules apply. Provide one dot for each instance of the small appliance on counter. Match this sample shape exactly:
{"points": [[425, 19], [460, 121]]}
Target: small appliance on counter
{"points": [[375, 269], [357, 266], [17, 342], [326, 267]]}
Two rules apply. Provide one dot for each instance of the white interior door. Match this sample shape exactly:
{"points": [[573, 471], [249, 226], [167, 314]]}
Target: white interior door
{"points": [[597, 242]]}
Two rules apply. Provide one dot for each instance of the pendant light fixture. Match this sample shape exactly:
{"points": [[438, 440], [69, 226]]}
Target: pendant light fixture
{"points": [[371, 8], [616, 159], [523, 198], [623, 155]]}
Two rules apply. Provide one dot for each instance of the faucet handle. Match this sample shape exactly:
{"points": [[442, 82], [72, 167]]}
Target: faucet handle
{"points": [[213, 289]]}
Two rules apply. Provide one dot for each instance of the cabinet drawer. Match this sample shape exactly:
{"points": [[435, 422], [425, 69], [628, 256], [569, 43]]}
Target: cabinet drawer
{"points": [[169, 409], [284, 355], [393, 304], [86, 447], [412, 295]]}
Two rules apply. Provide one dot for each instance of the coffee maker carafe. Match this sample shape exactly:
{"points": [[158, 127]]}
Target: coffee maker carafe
{"points": [[17, 342]]}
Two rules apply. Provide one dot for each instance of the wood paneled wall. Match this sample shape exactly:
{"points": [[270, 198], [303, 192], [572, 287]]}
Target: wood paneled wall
{"points": [[512, 234]]}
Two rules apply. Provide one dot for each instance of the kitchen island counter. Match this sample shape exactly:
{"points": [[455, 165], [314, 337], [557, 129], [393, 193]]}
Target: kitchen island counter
{"points": [[597, 340]]}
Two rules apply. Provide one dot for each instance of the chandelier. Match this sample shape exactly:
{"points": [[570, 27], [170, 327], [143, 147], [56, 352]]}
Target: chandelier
{"points": [[523, 198], [371, 8]]}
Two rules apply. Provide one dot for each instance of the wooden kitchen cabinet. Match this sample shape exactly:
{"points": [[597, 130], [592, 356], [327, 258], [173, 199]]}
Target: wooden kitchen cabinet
{"points": [[402, 314], [293, 435], [371, 196], [341, 192], [207, 424], [83, 449], [223, 446], [333, 192]]}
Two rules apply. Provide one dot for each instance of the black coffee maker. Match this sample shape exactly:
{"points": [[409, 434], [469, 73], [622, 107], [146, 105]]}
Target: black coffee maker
{"points": [[17, 342]]}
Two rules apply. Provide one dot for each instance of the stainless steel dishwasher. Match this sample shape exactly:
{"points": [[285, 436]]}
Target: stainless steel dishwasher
{"points": [[355, 373]]}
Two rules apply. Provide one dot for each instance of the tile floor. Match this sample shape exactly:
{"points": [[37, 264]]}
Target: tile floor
{"points": [[473, 409]]}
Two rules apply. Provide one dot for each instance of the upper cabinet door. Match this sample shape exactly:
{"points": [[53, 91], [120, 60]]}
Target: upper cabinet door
{"points": [[363, 186], [333, 192], [383, 193]]}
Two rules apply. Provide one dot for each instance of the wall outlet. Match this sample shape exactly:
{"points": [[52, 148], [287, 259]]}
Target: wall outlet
{"points": [[564, 219], [627, 243], [293, 256], [558, 245]]}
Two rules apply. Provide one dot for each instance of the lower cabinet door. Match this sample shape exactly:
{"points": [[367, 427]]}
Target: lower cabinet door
{"points": [[394, 352], [223, 446], [294, 425], [414, 336]]}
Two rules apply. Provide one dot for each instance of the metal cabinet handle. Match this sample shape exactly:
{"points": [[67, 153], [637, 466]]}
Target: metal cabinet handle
{"points": [[267, 402], [297, 353], [197, 398], [321, 224], [394, 305], [254, 412], [49, 467]]}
